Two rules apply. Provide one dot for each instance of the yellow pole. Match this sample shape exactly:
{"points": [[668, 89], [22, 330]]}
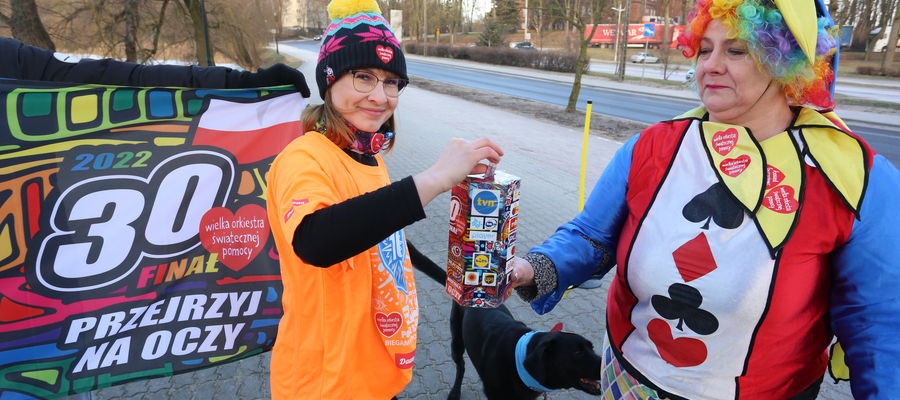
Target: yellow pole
{"points": [[584, 144]]}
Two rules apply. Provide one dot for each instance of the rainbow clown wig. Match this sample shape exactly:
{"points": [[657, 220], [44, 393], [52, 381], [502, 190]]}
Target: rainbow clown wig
{"points": [[791, 40]]}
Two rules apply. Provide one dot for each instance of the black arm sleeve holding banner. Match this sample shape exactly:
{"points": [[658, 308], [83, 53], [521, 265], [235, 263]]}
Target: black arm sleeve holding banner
{"points": [[343, 230], [21, 61]]}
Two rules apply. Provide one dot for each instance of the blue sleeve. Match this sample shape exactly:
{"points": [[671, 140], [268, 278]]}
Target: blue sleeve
{"points": [[865, 300], [575, 257]]}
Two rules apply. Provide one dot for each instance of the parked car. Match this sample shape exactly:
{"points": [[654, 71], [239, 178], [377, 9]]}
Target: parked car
{"points": [[644, 58], [524, 46], [317, 37], [689, 76]]}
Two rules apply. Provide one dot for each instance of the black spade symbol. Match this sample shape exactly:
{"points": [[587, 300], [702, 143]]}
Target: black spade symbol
{"points": [[683, 304], [714, 204]]}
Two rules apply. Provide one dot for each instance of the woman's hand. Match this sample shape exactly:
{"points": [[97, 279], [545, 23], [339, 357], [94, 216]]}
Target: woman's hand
{"points": [[460, 158], [522, 272]]}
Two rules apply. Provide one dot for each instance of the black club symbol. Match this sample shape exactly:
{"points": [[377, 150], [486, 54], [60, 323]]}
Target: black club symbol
{"points": [[683, 304]]}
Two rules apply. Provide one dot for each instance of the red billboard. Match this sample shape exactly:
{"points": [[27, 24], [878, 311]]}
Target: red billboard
{"points": [[606, 34]]}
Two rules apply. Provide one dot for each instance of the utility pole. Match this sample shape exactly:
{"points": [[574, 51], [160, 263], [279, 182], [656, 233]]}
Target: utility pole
{"points": [[424, 28], [618, 27]]}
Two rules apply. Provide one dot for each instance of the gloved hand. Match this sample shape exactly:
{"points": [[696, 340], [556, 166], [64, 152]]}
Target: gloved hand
{"points": [[278, 74]]}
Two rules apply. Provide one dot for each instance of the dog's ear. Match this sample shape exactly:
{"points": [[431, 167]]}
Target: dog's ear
{"points": [[538, 357]]}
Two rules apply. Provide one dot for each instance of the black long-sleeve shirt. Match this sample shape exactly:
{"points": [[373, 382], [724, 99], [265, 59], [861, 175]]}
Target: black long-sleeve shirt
{"points": [[343, 230]]}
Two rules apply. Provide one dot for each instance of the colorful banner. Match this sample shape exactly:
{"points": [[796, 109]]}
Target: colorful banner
{"points": [[133, 235]]}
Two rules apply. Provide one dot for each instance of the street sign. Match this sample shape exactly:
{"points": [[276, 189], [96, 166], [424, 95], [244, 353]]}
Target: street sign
{"points": [[649, 30]]}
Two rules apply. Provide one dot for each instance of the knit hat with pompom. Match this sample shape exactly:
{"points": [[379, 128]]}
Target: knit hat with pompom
{"points": [[357, 37]]}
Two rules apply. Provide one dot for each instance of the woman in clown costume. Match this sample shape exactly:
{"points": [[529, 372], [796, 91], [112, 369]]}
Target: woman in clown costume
{"points": [[747, 232]]}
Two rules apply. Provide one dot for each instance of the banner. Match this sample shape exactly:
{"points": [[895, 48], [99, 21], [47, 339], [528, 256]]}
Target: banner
{"points": [[133, 235], [637, 34]]}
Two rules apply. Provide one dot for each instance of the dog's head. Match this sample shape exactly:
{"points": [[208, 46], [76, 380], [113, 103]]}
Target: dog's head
{"points": [[562, 360]]}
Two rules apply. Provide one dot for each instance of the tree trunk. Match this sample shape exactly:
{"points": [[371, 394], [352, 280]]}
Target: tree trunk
{"points": [[833, 11], [623, 43], [891, 48], [202, 43], [566, 27], [579, 68], [886, 14], [25, 24], [863, 24], [131, 28]]}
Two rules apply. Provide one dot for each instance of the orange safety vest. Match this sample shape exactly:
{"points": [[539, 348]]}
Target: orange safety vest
{"points": [[349, 330]]}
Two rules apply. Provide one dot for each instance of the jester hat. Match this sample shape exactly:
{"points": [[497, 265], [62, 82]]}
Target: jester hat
{"points": [[792, 40]]}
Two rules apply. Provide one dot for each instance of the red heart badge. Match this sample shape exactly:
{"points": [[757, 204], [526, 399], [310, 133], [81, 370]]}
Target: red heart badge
{"points": [[774, 176], [384, 53], [388, 324], [681, 352], [237, 237], [734, 166], [724, 141], [781, 199]]}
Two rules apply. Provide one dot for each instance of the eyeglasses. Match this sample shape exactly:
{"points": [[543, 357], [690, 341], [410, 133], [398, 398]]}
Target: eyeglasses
{"points": [[365, 82]]}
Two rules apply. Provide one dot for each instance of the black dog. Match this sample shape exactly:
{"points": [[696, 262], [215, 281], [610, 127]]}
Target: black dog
{"points": [[556, 360]]}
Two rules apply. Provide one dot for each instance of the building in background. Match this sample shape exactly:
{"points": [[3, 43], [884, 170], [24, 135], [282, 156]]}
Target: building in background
{"points": [[307, 17]]}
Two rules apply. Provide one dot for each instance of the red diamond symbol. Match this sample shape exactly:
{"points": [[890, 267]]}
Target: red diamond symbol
{"points": [[694, 258]]}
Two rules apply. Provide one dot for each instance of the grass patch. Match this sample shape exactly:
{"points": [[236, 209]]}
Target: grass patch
{"points": [[270, 57], [852, 101]]}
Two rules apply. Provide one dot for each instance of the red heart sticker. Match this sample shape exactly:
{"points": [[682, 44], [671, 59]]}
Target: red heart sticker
{"points": [[681, 352], [238, 237], [774, 176], [385, 54], [376, 142], [724, 141], [388, 324], [734, 166], [781, 199]]}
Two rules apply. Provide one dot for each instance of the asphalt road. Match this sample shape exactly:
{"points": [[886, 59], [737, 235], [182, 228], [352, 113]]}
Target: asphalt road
{"points": [[641, 107]]}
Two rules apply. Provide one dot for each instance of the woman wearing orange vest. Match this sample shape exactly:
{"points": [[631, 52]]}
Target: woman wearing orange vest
{"points": [[350, 311]]}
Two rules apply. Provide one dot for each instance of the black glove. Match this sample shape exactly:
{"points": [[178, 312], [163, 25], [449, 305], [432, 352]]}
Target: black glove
{"points": [[278, 74]]}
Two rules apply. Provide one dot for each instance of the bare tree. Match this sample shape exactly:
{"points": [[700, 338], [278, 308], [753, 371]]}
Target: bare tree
{"points": [[623, 43], [155, 33], [891, 48], [132, 20], [579, 15], [204, 49], [885, 11], [861, 17], [664, 43], [25, 24]]}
